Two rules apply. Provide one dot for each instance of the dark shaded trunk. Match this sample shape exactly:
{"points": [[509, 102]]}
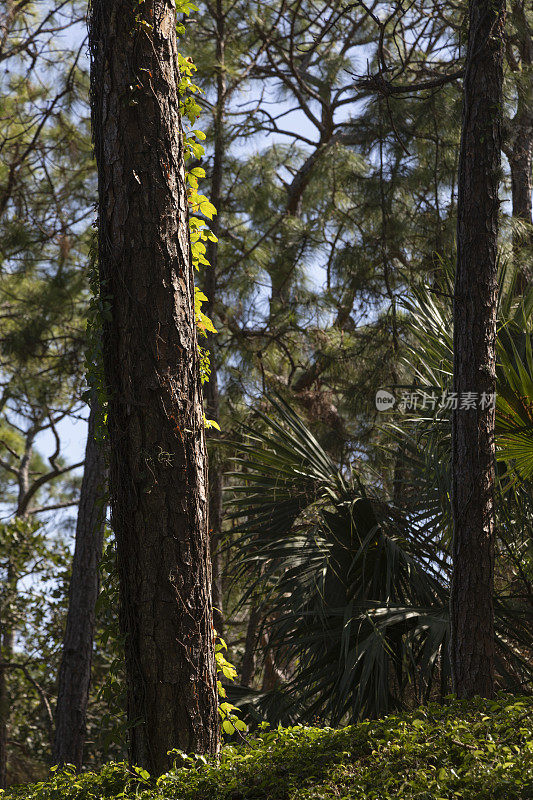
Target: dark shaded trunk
{"points": [[216, 480], [9, 591], [75, 669], [250, 646], [7, 642], [521, 185], [4, 709], [273, 676], [215, 499], [472, 613], [158, 475], [215, 522], [519, 150], [215, 502]]}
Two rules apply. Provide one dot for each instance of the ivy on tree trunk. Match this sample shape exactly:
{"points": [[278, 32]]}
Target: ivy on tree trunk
{"points": [[158, 464]]}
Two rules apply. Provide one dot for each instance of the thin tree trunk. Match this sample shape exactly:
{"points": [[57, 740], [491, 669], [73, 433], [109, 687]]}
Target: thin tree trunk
{"points": [[212, 395], [521, 185], [7, 642], [472, 613], [158, 475], [7, 633], [250, 646], [215, 521], [273, 676], [519, 151], [4, 704], [75, 669], [5, 655]]}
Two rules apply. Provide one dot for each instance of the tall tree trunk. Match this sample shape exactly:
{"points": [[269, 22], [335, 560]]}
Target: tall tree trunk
{"points": [[75, 669], [519, 149], [472, 614], [212, 395], [158, 475]]}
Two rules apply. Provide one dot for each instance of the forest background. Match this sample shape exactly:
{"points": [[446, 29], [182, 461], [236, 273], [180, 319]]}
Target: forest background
{"points": [[332, 158]]}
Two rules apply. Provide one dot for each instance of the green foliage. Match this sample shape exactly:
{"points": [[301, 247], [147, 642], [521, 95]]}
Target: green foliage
{"points": [[355, 588], [430, 356], [514, 408], [200, 208], [111, 698], [199, 205], [477, 750], [33, 597], [112, 694], [228, 712]]}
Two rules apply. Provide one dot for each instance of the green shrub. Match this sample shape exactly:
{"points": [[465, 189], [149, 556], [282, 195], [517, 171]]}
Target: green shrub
{"points": [[478, 750]]}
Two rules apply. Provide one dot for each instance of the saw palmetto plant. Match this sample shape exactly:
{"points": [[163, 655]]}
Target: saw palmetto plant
{"points": [[355, 588]]}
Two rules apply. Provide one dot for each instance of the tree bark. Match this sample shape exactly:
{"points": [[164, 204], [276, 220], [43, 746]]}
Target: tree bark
{"points": [[158, 474], [75, 668], [472, 614]]}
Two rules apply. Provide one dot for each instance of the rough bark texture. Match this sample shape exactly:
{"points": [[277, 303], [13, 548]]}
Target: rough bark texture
{"points": [[75, 669], [157, 446], [472, 615]]}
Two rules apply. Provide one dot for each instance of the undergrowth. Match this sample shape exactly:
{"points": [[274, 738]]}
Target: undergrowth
{"points": [[477, 750]]}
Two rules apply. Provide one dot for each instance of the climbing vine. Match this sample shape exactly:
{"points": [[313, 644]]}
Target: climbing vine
{"points": [[201, 210]]}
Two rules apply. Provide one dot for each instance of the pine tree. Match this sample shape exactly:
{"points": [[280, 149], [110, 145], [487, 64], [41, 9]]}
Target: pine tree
{"points": [[475, 295], [151, 361]]}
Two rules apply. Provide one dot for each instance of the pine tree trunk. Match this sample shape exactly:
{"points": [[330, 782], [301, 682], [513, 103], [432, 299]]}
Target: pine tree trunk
{"points": [[472, 614], [75, 669], [158, 475]]}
